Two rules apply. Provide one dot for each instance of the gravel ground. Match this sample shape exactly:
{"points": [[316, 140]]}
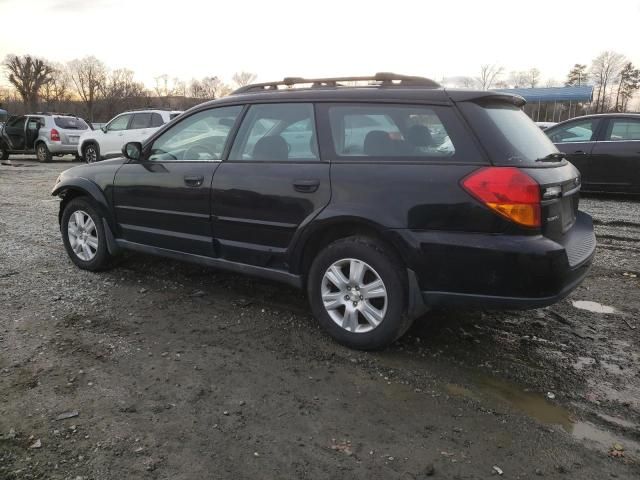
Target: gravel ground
{"points": [[168, 370]]}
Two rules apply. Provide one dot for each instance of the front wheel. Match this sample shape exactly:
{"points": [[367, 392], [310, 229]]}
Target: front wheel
{"points": [[357, 291], [91, 153], [83, 235], [42, 153], [4, 153]]}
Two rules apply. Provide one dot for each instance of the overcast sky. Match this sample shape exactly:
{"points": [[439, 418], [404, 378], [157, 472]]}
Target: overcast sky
{"points": [[278, 38]]}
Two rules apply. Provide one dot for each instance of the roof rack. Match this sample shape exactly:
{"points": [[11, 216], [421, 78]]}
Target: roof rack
{"points": [[384, 79]]}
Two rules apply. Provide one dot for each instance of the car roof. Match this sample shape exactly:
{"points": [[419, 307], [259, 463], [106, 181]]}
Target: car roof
{"points": [[373, 93], [598, 115]]}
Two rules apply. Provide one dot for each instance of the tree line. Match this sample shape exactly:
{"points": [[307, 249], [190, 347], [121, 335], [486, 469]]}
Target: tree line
{"points": [[615, 80], [88, 88]]}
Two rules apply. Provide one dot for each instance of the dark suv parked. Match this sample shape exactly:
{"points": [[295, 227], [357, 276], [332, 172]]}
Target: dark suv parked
{"points": [[381, 200]]}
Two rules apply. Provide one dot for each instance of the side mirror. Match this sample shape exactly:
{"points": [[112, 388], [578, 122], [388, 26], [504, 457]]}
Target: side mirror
{"points": [[132, 151], [103, 128]]}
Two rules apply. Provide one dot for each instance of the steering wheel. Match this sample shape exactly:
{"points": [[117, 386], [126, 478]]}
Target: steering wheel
{"points": [[193, 153]]}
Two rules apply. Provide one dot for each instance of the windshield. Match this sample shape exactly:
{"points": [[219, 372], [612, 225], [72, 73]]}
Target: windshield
{"points": [[508, 134], [70, 123]]}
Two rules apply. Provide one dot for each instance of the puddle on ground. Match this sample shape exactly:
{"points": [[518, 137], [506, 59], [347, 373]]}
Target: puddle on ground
{"points": [[539, 408], [594, 307]]}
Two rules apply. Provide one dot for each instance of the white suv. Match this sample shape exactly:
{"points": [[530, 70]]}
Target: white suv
{"points": [[134, 126]]}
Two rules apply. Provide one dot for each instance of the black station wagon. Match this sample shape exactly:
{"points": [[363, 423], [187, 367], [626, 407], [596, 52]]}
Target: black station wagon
{"points": [[381, 196]]}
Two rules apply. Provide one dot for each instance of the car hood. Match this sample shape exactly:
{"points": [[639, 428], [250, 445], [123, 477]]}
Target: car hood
{"points": [[99, 172]]}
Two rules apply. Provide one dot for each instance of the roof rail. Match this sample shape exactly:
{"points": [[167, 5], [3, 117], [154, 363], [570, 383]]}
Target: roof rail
{"points": [[384, 79]]}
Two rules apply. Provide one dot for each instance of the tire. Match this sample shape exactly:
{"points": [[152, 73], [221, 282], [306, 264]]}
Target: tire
{"points": [[42, 153], [89, 252], [4, 154], [91, 152], [384, 305]]}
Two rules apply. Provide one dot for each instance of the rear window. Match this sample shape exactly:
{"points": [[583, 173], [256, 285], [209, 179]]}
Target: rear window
{"points": [[508, 134], [397, 132], [70, 123]]}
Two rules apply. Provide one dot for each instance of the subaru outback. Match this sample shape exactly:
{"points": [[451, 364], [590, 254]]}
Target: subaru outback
{"points": [[381, 200]]}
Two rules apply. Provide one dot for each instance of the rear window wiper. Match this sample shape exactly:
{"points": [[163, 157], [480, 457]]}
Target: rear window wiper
{"points": [[552, 157]]}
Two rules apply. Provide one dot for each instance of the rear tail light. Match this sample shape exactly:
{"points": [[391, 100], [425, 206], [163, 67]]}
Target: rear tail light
{"points": [[55, 135], [507, 191]]}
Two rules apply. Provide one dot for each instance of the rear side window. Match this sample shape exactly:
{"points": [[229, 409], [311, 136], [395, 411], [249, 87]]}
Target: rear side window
{"points": [[383, 131], [507, 133], [580, 131], [140, 120], [623, 129], [277, 132], [70, 123]]}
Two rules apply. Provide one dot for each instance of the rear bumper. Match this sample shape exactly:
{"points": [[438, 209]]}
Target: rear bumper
{"points": [[55, 147], [499, 271]]}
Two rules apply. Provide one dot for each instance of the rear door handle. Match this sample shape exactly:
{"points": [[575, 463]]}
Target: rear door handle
{"points": [[306, 186], [193, 181]]}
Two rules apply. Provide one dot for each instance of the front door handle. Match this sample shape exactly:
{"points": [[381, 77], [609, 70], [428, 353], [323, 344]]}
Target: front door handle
{"points": [[579, 152], [193, 181], [306, 186]]}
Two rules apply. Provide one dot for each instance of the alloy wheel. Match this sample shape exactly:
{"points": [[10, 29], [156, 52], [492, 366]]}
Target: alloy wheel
{"points": [[90, 154], [42, 153], [354, 295], [83, 235]]}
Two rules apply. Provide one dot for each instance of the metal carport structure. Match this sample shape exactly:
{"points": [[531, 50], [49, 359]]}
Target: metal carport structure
{"points": [[573, 96]]}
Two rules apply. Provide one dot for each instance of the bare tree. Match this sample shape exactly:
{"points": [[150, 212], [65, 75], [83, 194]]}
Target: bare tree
{"points": [[517, 79], [532, 77], [605, 69], [28, 75], [57, 92], [489, 74], [120, 89], [242, 79], [628, 84], [88, 76]]}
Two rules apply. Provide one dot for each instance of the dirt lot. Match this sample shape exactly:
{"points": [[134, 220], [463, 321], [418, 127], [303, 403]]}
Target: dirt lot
{"points": [[171, 371]]}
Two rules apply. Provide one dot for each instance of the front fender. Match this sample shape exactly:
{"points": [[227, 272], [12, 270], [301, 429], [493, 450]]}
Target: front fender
{"points": [[80, 186]]}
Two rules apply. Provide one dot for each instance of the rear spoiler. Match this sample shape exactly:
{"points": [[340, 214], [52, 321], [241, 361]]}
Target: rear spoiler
{"points": [[485, 96]]}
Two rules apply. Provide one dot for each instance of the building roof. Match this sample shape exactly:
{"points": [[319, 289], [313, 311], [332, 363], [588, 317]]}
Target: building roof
{"points": [[583, 93]]}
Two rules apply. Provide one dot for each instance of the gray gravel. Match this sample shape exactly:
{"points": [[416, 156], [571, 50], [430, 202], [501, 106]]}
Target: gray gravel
{"points": [[176, 371]]}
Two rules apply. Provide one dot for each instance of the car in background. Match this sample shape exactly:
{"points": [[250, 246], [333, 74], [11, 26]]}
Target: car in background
{"points": [[131, 126], [605, 149], [45, 134], [545, 125], [3, 116]]}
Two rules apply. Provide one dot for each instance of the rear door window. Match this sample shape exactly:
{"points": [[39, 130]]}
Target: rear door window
{"points": [[140, 120], [574, 132], [361, 131], [156, 120], [620, 130], [277, 132]]}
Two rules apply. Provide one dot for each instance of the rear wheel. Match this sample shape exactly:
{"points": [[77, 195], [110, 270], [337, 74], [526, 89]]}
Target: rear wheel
{"points": [[91, 153], [357, 292], [4, 153], [42, 153], [83, 235]]}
